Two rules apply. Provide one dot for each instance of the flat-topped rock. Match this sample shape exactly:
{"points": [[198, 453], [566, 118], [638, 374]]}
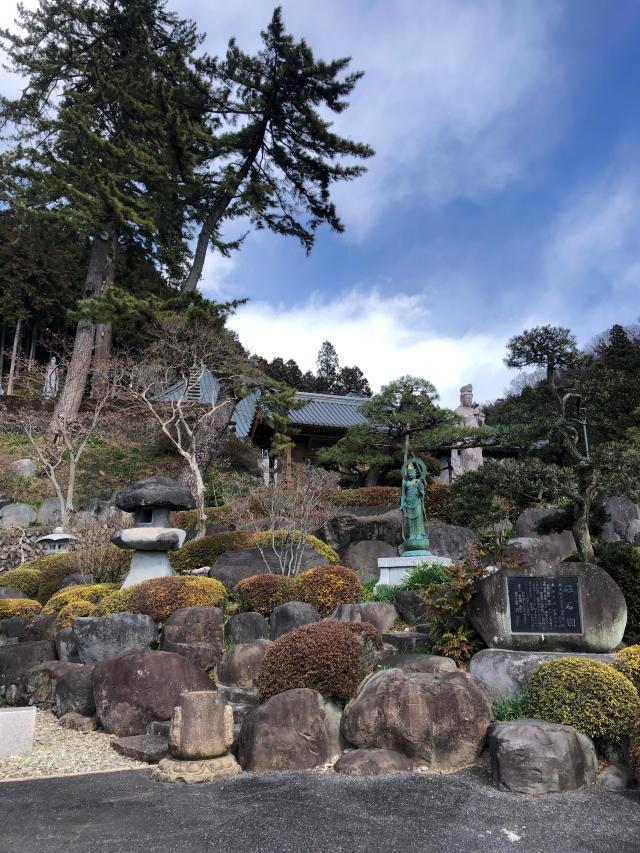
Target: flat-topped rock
{"points": [[561, 607], [418, 663], [380, 614], [372, 762], [154, 492], [11, 592], [148, 748]]}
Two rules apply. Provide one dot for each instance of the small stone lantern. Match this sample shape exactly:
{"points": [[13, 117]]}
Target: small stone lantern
{"points": [[58, 542], [151, 500]]}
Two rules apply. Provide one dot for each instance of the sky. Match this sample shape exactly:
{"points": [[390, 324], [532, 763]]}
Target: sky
{"points": [[505, 190]]}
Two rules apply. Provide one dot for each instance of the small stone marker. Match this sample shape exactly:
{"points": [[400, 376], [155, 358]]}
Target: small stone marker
{"points": [[17, 726]]}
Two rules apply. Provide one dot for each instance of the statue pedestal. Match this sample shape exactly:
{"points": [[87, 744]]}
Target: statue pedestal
{"points": [[393, 570]]}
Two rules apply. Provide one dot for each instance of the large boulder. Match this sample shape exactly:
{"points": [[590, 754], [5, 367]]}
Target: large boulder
{"points": [[113, 635], [234, 566], [362, 557], [66, 645], [240, 664], [411, 607], [136, 688], [295, 730], [38, 685], [526, 524], [13, 629], [355, 524], [43, 627], [17, 659], [372, 762], [49, 512], [505, 672], [623, 515], [564, 607], [291, 615], [449, 540], [11, 592], [537, 757], [415, 662], [380, 614], [74, 692], [246, 628], [540, 550], [17, 515], [438, 720], [22, 468], [197, 633]]}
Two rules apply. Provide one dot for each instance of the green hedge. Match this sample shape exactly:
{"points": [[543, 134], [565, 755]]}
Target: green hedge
{"points": [[106, 564], [622, 562], [25, 579], [186, 520], [204, 552]]}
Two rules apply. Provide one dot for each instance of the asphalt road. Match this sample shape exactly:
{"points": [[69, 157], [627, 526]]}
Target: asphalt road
{"points": [[128, 812]]}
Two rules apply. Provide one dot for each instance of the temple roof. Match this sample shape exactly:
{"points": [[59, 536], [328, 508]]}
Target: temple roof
{"points": [[328, 410]]}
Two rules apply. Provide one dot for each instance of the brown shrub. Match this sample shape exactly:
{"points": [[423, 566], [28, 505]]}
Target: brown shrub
{"points": [[264, 592], [159, 597], [326, 587], [323, 656]]}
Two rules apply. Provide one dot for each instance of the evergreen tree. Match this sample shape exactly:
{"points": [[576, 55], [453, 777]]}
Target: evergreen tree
{"points": [[352, 379], [108, 133], [281, 156], [328, 369]]}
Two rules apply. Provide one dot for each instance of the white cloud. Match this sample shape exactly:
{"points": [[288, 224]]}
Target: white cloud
{"points": [[385, 336]]}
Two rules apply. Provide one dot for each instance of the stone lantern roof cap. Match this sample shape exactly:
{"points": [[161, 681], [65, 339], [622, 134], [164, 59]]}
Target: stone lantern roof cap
{"points": [[58, 535], [154, 492]]}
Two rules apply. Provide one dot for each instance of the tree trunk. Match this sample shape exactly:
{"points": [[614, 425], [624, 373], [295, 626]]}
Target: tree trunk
{"points": [[101, 359], [3, 343], [14, 357], [209, 435], [220, 206], [198, 492], [371, 477], [587, 482], [99, 276], [32, 348]]}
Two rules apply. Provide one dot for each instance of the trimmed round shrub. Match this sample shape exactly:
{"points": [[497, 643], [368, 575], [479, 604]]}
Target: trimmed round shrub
{"points": [[25, 579], [367, 496], [590, 696], [92, 592], [105, 563], [24, 607], [627, 661], [71, 611], [159, 597], [116, 602], [324, 656], [326, 587], [205, 551], [263, 592], [186, 519]]}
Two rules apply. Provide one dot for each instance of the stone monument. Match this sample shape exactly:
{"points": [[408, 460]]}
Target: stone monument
{"points": [[50, 389], [151, 500], [469, 458], [415, 539]]}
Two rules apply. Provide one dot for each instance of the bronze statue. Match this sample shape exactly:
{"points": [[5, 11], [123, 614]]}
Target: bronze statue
{"points": [[415, 538]]}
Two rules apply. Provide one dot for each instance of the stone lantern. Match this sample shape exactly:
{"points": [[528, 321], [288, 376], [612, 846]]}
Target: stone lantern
{"points": [[58, 542], [151, 500]]}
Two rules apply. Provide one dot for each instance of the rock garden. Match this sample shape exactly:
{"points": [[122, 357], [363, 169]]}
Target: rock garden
{"points": [[229, 667]]}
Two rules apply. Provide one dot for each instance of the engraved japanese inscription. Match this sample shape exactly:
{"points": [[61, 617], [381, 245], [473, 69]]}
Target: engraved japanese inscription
{"points": [[544, 605]]}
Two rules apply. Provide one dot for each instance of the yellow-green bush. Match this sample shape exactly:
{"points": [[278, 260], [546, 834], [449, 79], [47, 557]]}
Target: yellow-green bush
{"points": [[326, 587], [71, 611], [116, 602], [634, 748], [263, 592], [105, 563], [161, 596], [24, 607], [204, 552], [590, 696], [186, 519], [25, 579], [627, 661], [92, 592]]}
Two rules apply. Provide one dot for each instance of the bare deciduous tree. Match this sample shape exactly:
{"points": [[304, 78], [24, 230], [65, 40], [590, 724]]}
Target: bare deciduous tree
{"points": [[290, 508]]}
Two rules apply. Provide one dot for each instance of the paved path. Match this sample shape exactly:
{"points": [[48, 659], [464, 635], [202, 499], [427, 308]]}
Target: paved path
{"points": [[127, 812]]}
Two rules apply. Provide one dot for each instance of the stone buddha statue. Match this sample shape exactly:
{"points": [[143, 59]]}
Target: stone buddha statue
{"points": [[472, 416]]}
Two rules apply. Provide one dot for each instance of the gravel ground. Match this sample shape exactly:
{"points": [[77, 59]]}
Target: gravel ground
{"points": [[57, 751]]}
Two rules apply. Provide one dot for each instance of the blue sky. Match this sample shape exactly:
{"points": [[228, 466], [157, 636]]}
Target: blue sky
{"points": [[505, 191]]}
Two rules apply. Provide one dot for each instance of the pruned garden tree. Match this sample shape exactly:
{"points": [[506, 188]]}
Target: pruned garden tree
{"points": [[279, 153], [292, 506], [404, 414], [554, 349]]}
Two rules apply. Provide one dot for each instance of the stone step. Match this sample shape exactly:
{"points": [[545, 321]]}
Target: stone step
{"points": [[148, 748], [405, 641]]}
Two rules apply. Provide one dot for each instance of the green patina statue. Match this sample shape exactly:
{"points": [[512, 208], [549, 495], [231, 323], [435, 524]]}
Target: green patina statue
{"points": [[415, 538]]}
